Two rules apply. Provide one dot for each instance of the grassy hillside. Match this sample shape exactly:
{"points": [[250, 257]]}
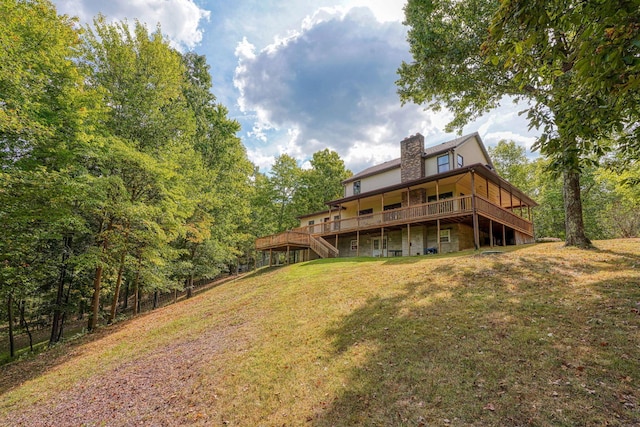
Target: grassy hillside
{"points": [[542, 335]]}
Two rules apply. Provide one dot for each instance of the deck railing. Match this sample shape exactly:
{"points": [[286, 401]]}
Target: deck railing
{"points": [[292, 238], [497, 213], [447, 208], [456, 206]]}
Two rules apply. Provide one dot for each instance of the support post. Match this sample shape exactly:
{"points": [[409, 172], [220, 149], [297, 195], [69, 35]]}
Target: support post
{"points": [[408, 225], [476, 231], [491, 233], [358, 242], [504, 236], [438, 236]]}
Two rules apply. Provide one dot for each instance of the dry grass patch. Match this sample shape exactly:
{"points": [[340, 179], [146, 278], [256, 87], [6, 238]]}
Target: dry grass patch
{"points": [[543, 335]]}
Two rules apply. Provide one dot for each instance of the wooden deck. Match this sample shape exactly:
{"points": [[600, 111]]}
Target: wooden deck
{"points": [[452, 208]]}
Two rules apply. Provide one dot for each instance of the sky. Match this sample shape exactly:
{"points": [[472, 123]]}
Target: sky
{"points": [[301, 76]]}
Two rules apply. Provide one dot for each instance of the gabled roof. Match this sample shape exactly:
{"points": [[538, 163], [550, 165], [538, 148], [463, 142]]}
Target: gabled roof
{"points": [[457, 143], [434, 150]]}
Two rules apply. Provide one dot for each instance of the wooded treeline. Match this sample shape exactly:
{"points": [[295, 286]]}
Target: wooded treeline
{"points": [[120, 173]]}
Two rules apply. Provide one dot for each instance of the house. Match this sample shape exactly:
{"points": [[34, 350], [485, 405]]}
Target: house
{"points": [[444, 198]]}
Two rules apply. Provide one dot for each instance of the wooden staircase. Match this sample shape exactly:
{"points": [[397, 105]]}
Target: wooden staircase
{"points": [[323, 248], [297, 240]]}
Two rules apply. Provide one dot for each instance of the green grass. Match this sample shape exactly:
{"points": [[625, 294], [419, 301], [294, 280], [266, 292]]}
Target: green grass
{"points": [[542, 335]]}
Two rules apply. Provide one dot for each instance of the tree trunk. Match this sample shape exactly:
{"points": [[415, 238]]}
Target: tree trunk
{"points": [[56, 324], [97, 283], [64, 312], [26, 326], [136, 293], [155, 300], [12, 349], [116, 295], [574, 225], [125, 301], [190, 286], [95, 302]]}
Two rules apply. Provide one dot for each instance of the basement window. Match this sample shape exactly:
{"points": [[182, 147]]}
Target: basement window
{"points": [[354, 245], [445, 236]]}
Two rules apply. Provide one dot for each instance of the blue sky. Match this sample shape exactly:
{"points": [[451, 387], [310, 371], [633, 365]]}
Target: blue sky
{"points": [[302, 76]]}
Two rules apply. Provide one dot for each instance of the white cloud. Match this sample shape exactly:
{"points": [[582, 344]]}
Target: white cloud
{"points": [[179, 19]]}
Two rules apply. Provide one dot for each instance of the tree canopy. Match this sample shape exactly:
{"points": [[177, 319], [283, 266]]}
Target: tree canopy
{"points": [[467, 56]]}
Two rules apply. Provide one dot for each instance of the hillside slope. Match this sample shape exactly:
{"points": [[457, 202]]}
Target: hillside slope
{"points": [[542, 335]]}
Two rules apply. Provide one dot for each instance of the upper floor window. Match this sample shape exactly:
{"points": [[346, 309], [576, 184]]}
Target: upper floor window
{"points": [[311, 222], [356, 187], [460, 161], [443, 163]]}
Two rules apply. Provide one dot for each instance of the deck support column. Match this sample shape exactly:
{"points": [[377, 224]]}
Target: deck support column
{"points": [[504, 236], [287, 261], [408, 224], [438, 236], [358, 242], [476, 231], [491, 233], [270, 257], [382, 255]]}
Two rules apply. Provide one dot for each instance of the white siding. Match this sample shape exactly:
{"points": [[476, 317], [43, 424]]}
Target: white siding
{"points": [[374, 182], [472, 153]]}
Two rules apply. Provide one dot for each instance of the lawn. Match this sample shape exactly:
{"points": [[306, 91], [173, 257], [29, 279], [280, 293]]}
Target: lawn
{"points": [[542, 335]]}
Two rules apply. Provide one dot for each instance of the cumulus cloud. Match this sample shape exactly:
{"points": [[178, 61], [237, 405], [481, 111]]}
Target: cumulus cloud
{"points": [[333, 82], [179, 19]]}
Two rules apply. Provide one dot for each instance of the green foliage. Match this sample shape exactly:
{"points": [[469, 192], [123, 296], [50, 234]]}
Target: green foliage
{"points": [[610, 204], [114, 156], [541, 52], [291, 191]]}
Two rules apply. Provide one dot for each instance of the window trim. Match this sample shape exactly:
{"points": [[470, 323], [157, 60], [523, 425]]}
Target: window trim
{"points": [[357, 187], [444, 167]]}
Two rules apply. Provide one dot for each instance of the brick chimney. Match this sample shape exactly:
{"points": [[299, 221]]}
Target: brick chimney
{"points": [[411, 162]]}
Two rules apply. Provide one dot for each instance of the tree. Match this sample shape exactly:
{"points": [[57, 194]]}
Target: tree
{"points": [[147, 128], [321, 183], [284, 182], [43, 146], [512, 164], [530, 52]]}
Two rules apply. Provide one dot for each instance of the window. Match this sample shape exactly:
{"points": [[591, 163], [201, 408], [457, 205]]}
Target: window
{"points": [[336, 222], [443, 163], [356, 187], [311, 222], [445, 236], [460, 161], [354, 245], [442, 196], [366, 211], [393, 206]]}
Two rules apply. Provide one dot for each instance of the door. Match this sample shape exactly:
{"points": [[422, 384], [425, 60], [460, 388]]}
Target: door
{"points": [[378, 249]]}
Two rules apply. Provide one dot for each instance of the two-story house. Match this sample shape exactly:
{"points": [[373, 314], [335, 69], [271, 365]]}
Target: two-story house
{"points": [[444, 198]]}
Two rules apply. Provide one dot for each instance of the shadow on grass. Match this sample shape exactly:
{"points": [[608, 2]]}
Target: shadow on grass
{"points": [[500, 345]]}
